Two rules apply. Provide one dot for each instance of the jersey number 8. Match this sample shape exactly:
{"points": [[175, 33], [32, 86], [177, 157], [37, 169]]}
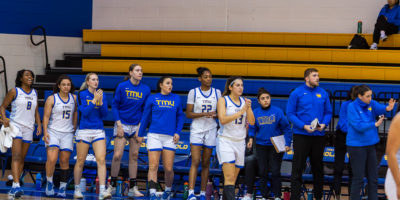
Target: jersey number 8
{"points": [[29, 105], [206, 108]]}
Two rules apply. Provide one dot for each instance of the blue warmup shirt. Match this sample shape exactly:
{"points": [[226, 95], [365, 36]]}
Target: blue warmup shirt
{"points": [[392, 15], [304, 105], [270, 122], [342, 123], [91, 116], [166, 115], [128, 102], [361, 123]]}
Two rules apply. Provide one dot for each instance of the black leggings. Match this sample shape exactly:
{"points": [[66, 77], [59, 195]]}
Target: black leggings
{"points": [[383, 25]]}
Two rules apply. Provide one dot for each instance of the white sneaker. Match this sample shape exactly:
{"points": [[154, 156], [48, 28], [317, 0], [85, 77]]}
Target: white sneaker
{"points": [[134, 192], [78, 194], [247, 197], [110, 189], [105, 195], [374, 46], [383, 37]]}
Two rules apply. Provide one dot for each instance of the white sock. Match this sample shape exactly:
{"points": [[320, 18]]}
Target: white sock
{"points": [[153, 191], [203, 193], [383, 33], [77, 188], [191, 192], [102, 188], [168, 189], [63, 185], [15, 185], [49, 179]]}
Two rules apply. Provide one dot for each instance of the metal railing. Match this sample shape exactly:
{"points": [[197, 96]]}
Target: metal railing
{"points": [[42, 41]]}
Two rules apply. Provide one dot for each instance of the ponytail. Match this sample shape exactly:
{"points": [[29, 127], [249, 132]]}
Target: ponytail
{"points": [[84, 85]]}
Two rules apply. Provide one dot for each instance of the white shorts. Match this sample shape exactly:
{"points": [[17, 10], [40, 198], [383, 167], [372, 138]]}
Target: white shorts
{"points": [[229, 151], [129, 130], [159, 142], [89, 136], [61, 140], [207, 139], [390, 186], [24, 133]]}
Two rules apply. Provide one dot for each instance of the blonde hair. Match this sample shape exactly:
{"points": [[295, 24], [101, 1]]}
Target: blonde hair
{"points": [[84, 85]]}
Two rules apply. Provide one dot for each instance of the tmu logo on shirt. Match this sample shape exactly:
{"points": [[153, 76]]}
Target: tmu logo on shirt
{"points": [[130, 94], [266, 120], [97, 103], [318, 95], [165, 103]]}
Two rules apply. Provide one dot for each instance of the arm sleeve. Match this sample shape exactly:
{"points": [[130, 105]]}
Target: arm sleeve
{"points": [[145, 118], [190, 99], [355, 121], [291, 111], [343, 116], [285, 128], [84, 108], [104, 108], [327, 111], [252, 130], [379, 109], [180, 118], [115, 104]]}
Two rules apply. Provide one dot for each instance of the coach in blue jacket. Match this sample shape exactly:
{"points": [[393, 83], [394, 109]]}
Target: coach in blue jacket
{"points": [[306, 104], [362, 135]]}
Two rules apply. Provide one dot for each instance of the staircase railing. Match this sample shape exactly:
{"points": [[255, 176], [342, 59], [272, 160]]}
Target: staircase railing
{"points": [[4, 71], [42, 41]]}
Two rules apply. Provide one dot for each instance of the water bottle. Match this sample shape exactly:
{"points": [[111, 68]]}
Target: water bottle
{"points": [[97, 185], [126, 188], [309, 194], [209, 190], [82, 185], [185, 190], [118, 191], [359, 27], [38, 181], [286, 194]]}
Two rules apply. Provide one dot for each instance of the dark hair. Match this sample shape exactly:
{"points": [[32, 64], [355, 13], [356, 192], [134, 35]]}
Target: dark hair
{"points": [[352, 93], [131, 68], [308, 71], [56, 89], [262, 91], [20, 74], [201, 70], [361, 90], [161, 80], [228, 83]]}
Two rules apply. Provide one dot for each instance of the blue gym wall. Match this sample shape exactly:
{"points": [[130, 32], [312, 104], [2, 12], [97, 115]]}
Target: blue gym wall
{"points": [[59, 17]]}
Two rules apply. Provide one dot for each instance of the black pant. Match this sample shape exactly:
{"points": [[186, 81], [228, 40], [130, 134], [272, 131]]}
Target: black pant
{"points": [[313, 147], [383, 25], [268, 159], [250, 172], [361, 159], [340, 154]]}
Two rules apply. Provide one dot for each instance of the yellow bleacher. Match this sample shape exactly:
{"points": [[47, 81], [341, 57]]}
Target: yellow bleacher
{"points": [[251, 53], [245, 69], [234, 38]]}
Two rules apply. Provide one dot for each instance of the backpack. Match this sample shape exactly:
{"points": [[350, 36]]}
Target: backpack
{"points": [[358, 42]]}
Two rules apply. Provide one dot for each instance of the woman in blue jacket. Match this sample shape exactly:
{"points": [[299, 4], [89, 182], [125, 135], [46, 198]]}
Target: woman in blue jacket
{"points": [[164, 113], [388, 22], [92, 107], [362, 135], [270, 122]]}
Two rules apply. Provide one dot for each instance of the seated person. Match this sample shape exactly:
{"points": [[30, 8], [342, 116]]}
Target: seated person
{"points": [[388, 22]]}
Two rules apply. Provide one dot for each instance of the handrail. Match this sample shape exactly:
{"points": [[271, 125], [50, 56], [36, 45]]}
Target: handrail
{"points": [[5, 72], [43, 41]]}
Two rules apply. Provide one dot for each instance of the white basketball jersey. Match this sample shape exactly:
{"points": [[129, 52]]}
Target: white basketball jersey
{"points": [[202, 104], [62, 114], [23, 108], [236, 129]]}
